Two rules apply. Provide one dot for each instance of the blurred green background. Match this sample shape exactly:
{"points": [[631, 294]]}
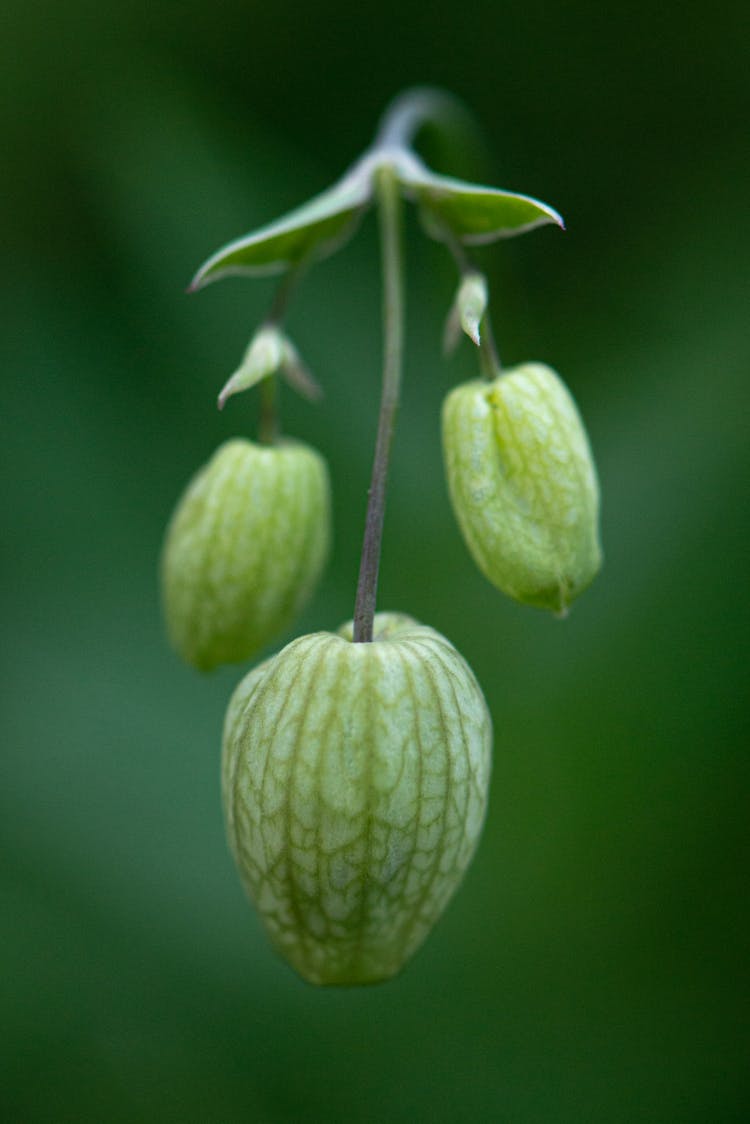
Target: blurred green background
{"points": [[593, 967]]}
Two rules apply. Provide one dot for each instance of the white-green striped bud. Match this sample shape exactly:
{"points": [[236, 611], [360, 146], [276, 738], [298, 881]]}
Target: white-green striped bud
{"points": [[244, 549], [523, 484], [355, 781]]}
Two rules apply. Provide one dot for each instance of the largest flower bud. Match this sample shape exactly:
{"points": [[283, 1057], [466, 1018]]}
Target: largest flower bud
{"points": [[355, 782], [523, 484], [244, 549]]}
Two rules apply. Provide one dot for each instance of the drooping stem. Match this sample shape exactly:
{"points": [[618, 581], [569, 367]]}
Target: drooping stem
{"points": [[389, 211], [423, 105], [405, 115], [268, 420], [286, 287], [489, 356]]}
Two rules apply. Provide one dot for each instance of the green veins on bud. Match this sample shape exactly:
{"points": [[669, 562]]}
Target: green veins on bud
{"points": [[355, 780], [523, 484], [244, 549]]}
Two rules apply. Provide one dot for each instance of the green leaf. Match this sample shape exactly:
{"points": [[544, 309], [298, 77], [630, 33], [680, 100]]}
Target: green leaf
{"points": [[470, 212], [313, 230]]}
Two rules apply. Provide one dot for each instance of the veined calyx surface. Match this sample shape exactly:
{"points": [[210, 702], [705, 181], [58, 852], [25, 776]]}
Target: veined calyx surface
{"points": [[244, 549], [523, 484], [355, 781]]}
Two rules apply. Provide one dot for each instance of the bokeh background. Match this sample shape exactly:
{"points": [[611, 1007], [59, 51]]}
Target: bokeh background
{"points": [[593, 967]]}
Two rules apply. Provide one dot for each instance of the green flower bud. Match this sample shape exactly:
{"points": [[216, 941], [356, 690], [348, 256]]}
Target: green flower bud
{"points": [[523, 484], [467, 311], [244, 549], [355, 782]]}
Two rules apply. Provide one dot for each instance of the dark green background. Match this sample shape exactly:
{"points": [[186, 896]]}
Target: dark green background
{"points": [[593, 966]]}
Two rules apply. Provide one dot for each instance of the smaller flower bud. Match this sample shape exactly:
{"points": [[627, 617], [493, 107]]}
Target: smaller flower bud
{"points": [[355, 780], [467, 311], [270, 351], [263, 357], [523, 484], [244, 549]]}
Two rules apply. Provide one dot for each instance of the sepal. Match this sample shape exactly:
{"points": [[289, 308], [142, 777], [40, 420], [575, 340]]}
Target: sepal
{"points": [[355, 780]]}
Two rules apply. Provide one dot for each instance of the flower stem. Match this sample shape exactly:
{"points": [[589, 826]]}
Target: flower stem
{"points": [[420, 106], [389, 212], [283, 295], [489, 356], [268, 420], [408, 112]]}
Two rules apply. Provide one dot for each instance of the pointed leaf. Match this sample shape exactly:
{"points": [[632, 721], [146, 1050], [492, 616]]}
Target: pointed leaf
{"points": [[263, 357], [472, 213], [312, 230]]}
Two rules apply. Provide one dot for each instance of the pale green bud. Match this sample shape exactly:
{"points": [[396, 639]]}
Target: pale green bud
{"points": [[355, 782], [467, 311], [270, 351], [523, 484], [263, 357], [244, 549]]}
